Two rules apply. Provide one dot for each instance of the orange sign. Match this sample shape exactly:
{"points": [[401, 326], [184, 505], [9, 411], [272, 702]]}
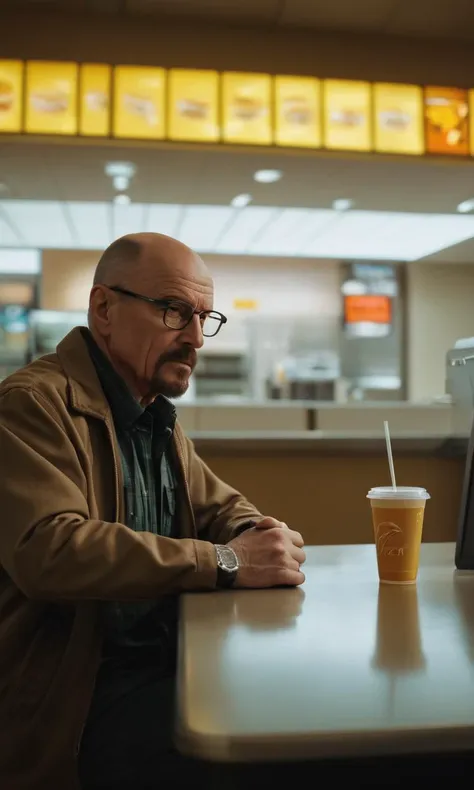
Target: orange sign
{"points": [[369, 308], [447, 120]]}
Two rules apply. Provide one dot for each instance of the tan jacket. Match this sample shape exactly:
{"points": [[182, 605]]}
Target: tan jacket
{"points": [[64, 547]]}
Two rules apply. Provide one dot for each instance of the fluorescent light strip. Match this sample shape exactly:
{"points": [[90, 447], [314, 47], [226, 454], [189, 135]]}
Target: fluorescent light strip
{"points": [[247, 223], [93, 224], [20, 261], [43, 222], [202, 225], [255, 230]]}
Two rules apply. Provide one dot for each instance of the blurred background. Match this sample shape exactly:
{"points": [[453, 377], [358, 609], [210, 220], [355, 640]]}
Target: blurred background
{"points": [[318, 155]]}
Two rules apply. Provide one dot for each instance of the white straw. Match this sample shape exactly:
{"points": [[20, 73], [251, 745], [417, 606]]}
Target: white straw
{"points": [[389, 454]]}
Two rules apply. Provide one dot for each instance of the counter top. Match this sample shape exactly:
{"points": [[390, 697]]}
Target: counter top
{"points": [[342, 666], [328, 442]]}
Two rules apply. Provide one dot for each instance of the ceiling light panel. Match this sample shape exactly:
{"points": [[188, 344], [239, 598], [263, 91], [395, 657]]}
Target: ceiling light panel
{"points": [[43, 223], [201, 226], [8, 237], [128, 219], [288, 231], [92, 223], [20, 261], [163, 218], [239, 235], [346, 231]]}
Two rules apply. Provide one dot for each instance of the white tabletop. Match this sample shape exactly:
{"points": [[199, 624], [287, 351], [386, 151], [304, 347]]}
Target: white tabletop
{"points": [[339, 667]]}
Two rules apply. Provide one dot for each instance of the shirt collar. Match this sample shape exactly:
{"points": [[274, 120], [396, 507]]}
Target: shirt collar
{"points": [[126, 410]]}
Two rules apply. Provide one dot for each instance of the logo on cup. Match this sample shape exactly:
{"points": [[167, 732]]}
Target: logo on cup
{"points": [[390, 540]]}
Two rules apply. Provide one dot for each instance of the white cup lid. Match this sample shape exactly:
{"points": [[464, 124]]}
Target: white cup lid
{"points": [[401, 492]]}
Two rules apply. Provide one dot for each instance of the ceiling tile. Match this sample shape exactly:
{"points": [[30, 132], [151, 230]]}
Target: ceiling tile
{"points": [[238, 10], [366, 15], [42, 223], [427, 19]]}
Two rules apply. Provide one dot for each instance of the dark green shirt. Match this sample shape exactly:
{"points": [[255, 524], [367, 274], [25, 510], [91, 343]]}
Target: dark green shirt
{"points": [[149, 491]]}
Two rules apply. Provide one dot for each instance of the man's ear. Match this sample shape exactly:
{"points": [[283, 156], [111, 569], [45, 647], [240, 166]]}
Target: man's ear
{"points": [[99, 309]]}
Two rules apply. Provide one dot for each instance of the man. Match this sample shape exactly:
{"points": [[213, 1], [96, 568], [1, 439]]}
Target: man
{"points": [[107, 515]]}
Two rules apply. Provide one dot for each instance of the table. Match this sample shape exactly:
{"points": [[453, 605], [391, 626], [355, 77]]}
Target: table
{"points": [[339, 668]]}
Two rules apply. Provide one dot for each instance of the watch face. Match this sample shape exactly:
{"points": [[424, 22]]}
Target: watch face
{"points": [[228, 559]]}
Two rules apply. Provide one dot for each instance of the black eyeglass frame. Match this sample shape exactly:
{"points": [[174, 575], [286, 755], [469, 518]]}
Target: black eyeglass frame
{"points": [[165, 304]]}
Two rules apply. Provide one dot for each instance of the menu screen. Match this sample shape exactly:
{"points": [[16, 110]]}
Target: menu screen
{"points": [[246, 108], [51, 104], [447, 120], [11, 89], [398, 119], [139, 102], [298, 111], [193, 105], [347, 115], [367, 308], [95, 82]]}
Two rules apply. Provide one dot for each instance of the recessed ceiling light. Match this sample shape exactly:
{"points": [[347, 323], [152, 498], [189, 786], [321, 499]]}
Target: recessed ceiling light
{"points": [[121, 183], [267, 176], [124, 169], [466, 206], [240, 201], [122, 200], [342, 204]]}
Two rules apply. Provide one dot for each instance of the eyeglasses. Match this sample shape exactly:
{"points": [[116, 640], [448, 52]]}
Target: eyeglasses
{"points": [[177, 315]]}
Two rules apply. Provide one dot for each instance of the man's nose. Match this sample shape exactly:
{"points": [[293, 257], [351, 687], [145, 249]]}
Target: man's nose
{"points": [[192, 333]]}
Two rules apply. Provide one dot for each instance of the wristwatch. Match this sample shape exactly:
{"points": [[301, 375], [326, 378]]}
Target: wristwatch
{"points": [[227, 566]]}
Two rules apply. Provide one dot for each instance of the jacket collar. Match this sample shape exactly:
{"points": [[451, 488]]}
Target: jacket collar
{"points": [[84, 389]]}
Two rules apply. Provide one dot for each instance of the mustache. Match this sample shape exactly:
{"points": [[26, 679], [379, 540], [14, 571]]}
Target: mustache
{"points": [[186, 355]]}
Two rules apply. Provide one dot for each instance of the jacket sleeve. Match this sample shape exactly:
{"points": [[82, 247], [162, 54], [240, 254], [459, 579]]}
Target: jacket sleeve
{"points": [[220, 511], [49, 545]]}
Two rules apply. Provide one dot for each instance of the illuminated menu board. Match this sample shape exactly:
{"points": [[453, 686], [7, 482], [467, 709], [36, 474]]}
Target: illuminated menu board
{"points": [[246, 102], [11, 95], [95, 80], [298, 111], [205, 106], [193, 105], [369, 308], [347, 115], [139, 102], [51, 97], [447, 120], [398, 111]]}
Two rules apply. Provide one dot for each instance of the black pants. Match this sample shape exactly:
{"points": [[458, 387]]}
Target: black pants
{"points": [[128, 739]]}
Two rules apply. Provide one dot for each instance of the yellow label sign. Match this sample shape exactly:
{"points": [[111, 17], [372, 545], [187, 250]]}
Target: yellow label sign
{"points": [[245, 304], [51, 97], [11, 90], [193, 105], [139, 102], [246, 108], [95, 82], [347, 115], [398, 119], [298, 111]]}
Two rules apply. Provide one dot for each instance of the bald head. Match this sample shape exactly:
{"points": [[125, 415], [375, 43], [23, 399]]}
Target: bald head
{"points": [[141, 256]]}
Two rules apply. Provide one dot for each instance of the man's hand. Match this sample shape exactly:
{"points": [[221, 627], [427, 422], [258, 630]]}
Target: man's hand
{"points": [[270, 555]]}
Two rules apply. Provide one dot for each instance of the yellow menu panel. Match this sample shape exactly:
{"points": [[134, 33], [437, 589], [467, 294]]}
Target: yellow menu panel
{"points": [[447, 120], [193, 98], [398, 118], [246, 108], [298, 111], [95, 80], [347, 115], [11, 95], [51, 97], [139, 102], [471, 116]]}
